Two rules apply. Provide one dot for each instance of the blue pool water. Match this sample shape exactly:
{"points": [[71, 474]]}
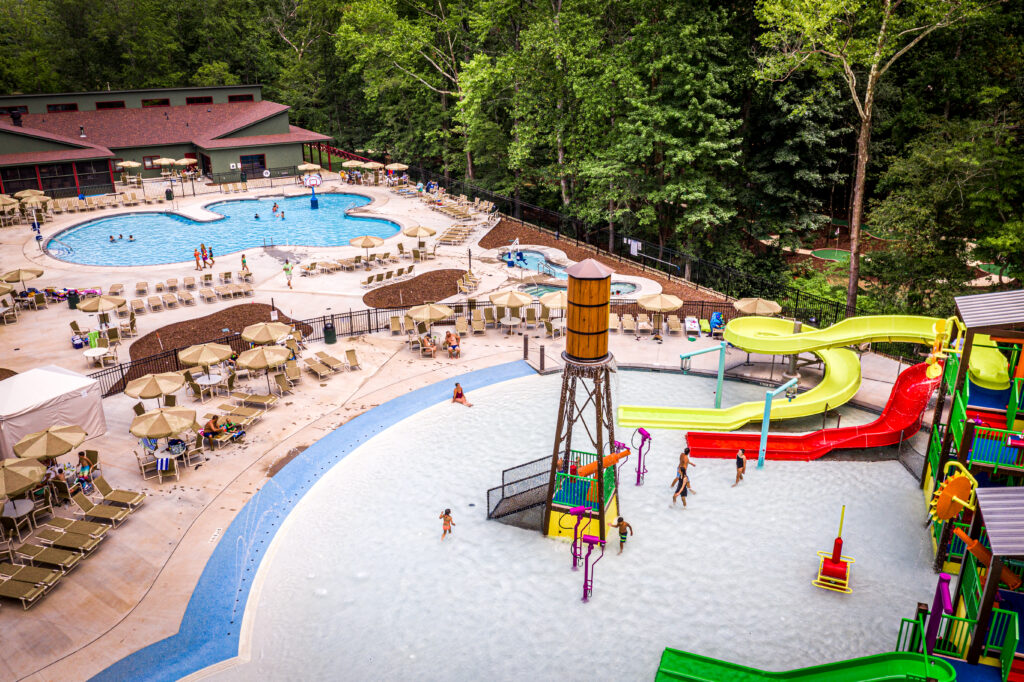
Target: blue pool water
{"points": [[168, 238], [535, 260]]}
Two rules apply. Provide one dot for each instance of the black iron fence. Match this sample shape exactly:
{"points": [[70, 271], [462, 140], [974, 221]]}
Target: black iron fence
{"points": [[254, 174]]}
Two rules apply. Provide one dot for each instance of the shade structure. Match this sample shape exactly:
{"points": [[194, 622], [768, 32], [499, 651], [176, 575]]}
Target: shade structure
{"points": [[373, 165], [155, 385], [101, 304], [25, 193], [264, 357], [757, 306], [510, 298], [163, 161], [660, 303], [205, 354], [163, 422], [6, 200], [186, 162], [21, 275], [265, 332], [52, 442], [352, 163], [366, 242], [19, 475], [36, 201], [555, 299], [129, 164], [429, 313], [418, 231], [5, 288], [397, 166], [306, 167]]}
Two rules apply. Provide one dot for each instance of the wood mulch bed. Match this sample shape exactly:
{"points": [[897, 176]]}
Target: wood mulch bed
{"points": [[208, 328], [435, 285], [6, 373], [506, 231]]}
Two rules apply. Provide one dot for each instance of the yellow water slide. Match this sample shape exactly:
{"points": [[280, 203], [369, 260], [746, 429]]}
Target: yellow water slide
{"points": [[775, 336]]}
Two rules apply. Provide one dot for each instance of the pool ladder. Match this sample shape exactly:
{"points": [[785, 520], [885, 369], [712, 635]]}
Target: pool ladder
{"points": [[64, 249], [544, 268]]}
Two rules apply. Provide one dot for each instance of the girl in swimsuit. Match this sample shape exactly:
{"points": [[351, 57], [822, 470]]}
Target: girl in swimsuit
{"points": [[741, 466], [446, 522], [460, 397], [682, 481]]}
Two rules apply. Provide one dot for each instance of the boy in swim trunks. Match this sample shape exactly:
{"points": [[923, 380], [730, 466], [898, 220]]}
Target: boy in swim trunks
{"points": [[623, 527], [741, 466], [446, 522]]}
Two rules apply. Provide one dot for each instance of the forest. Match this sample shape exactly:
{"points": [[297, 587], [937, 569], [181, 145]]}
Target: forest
{"points": [[733, 131]]}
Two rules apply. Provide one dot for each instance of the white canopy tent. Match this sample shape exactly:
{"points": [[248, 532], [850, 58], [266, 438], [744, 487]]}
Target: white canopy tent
{"points": [[48, 396]]}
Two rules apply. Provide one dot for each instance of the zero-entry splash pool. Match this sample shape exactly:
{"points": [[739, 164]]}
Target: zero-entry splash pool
{"points": [[161, 238]]}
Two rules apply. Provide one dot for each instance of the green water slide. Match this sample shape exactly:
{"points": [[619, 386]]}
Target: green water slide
{"points": [[680, 665]]}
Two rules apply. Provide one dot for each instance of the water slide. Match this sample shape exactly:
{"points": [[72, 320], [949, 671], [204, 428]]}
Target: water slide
{"points": [[902, 415], [680, 665]]}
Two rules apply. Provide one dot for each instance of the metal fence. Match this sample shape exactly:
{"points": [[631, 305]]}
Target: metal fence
{"points": [[255, 175], [518, 480]]}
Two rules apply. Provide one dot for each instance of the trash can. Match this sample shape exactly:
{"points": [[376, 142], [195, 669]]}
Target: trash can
{"points": [[73, 300], [169, 194], [330, 336]]}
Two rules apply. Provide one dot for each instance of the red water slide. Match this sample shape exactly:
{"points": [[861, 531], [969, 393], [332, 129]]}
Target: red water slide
{"points": [[902, 415]]}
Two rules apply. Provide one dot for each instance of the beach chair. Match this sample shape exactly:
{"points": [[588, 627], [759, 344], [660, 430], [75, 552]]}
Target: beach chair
{"points": [[396, 325], [73, 542], [103, 512], [170, 301], [281, 381], [27, 593], [37, 554], [47, 578], [116, 290], [531, 318], [155, 304], [461, 326], [90, 528], [674, 325], [189, 282], [628, 324], [223, 292], [131, 500], [207, 295], [141, 288], [334, 363], [489, 320], [319, 369], [147, 465], [186, 298], [551, 330], [353, 360], [292, 372], [613, 322], [644, 324], [245, 289], [478, 326], [207, 279], [138, 307]]}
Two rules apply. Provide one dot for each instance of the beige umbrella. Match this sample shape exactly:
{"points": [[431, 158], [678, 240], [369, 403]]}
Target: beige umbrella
{"points": [[36, 200], [431, 312], [52, 442], [397, 166], [306, 167], [373, 165], [129, 164], [21, 275], [205, 354], [101, 304], [163, 161], [418, 231], [163, 422], [6, 200], [366, 242], [264, 357], [25, 193], [660, 303], [265, 332], [757, 306], [352, 163], [155, 385], [186, 162], [556, 300], [19, 475], [5, 288], [510, 298]]}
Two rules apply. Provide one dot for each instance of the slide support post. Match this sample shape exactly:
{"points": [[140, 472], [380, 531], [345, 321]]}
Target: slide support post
{"points": [[769, 395]]}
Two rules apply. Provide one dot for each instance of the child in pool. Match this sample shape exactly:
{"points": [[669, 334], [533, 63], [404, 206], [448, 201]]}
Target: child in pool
{"points": [[623, 527], [446, 522]]}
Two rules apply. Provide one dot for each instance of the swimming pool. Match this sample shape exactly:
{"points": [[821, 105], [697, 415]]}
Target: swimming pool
{"points": [[618, 288], [170, 238], [535, 260]]}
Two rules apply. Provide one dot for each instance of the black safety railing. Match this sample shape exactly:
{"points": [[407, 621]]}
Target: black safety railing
{"points": [[516, 481]]}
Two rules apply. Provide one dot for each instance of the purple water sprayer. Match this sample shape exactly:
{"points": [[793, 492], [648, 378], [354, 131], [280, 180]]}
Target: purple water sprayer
{"points": [[641, 450], [577, 551], [588, 568], [943, 603]]}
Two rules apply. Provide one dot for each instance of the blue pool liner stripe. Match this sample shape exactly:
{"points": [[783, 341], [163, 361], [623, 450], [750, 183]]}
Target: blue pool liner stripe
{"points": [[209, 631]]}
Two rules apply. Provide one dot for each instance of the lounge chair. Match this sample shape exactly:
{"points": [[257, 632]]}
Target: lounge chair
{"points": [[103, 512], [320, 370], [27, 593], [396, 325], [83, 544], [155, 304], [489, 320], [551, 330], [282, 383], [90, 528], [138, 307], [47, 578], [292, 372], [674, 325], [172, 284], [115, 290], [531, 318], [265, 401], [37, 554], [613, 322], [353, 360], [198, 391], [142, 288], [461, 326], [207, 295], [334, 363], [189, 282], [170, 301], [644, 324], [186, 298], [628, 324], [127, 498], [478, 326]]}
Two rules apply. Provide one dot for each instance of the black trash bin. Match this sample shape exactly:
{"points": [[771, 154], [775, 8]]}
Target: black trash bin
{"points": [[330, 335], [73, 299], [169, 194]]}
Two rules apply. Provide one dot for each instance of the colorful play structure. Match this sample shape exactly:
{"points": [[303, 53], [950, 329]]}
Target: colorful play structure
{"points": [[834, 567]]}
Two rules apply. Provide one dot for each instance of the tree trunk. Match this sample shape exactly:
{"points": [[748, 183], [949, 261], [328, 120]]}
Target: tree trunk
{"points": [[563, 180], [611, 222], [469, 162], [857, 210]]}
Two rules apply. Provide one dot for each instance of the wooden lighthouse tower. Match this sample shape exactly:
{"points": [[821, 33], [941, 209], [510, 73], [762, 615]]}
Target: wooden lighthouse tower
{"points": [[585, 431]]}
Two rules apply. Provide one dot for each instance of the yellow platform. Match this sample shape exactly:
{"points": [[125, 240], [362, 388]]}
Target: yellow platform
{"points": [[588, 526]]}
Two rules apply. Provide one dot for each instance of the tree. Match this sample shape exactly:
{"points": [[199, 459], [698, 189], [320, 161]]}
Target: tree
{"points": [[213, 74], [857, 41]]}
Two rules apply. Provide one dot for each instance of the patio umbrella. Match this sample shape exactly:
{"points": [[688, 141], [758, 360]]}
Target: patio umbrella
{"points": [[129, 164], [163, 161], [660, 303], [264, 357], [556, 300], [306, 167], [154, 385], [265, 332], [19, 475], [6, 200], [757, 306], [397, 166], [366, 242], [418, 231], [25, 193], [21, 275], [101, 304], [186, 162], [431, 312], [5, 288], [352, 163], [205, 354], [52, 442], [163, 422], [373, 165], [510, 298], [36, 200]]}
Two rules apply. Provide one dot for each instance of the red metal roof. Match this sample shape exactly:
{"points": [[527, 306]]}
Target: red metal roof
{"points": [[294, 134]]}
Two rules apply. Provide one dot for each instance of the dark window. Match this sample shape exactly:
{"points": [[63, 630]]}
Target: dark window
{"points": [[147, 162], [199, 100], [119, 104], [94, 174], [253, 163], [156, 103], [57, 108], [17, 178], [57, 176], [7, 111], [239, 98]]}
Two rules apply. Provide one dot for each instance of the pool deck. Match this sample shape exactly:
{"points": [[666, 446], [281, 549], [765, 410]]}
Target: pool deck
{"points": [[135, 590]]}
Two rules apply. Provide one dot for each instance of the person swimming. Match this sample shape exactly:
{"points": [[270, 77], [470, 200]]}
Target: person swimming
{"points": [[282, 215], [112, 239], [257, 216], [274, 209], [131, 238], [120, 236]]}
